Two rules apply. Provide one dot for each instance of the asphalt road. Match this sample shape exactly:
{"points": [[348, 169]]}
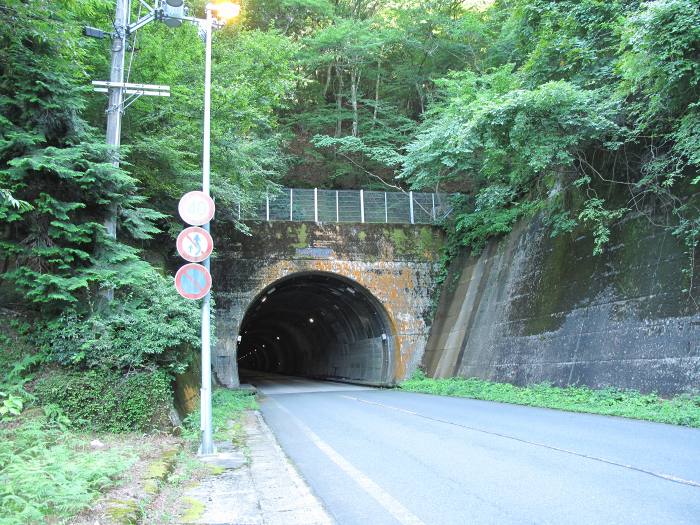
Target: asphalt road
{"points": [[386, 457]]}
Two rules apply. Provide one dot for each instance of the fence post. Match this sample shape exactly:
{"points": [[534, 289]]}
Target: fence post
{"points": [[291, 204], [386, 209], [362, 205], [433, 214], [239, 210], [267, 207], [337, 207], [410, 205], [316, 205]]}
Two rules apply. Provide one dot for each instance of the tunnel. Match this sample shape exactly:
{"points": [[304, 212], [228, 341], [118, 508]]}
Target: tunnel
{"points": [[318, 325]]}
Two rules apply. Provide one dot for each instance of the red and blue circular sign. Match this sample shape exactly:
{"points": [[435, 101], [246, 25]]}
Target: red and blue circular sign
{"points": [[194, 244], [193, 281]]}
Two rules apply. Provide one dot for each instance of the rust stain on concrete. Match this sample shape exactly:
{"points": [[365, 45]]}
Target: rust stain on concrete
{"points": [[395, 268]]}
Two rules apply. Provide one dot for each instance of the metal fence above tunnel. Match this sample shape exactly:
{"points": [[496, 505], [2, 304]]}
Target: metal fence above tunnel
{"points": [[350, 206]]}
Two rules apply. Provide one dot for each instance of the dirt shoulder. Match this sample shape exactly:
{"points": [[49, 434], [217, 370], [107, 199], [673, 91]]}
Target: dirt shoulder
{"points": [[248, 481]]}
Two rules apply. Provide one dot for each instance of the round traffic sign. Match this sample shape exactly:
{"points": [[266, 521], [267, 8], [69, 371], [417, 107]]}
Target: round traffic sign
{"points": [[196, 208], [193, 281], [194, 244]]}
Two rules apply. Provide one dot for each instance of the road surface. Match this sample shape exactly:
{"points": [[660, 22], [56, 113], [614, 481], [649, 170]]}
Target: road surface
{"points": [[385, 457]]}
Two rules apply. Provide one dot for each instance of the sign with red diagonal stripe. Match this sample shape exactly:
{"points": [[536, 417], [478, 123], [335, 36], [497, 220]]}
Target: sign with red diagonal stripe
{"points": [[196, 208], [193, 281], [194, 244]]}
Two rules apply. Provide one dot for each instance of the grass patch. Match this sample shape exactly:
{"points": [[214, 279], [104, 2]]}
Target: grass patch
{"points": [[680, 410], [49, 474], [228, 407]]}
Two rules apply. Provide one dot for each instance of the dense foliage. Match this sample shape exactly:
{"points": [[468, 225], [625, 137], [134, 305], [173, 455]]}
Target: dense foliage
{"points": [[58, 166], [588, 111], [48, 475], [148, 329], [109, 402], [582, 111], [64, 186]]}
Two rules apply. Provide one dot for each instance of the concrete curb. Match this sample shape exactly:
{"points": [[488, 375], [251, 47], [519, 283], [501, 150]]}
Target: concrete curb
{"points": [[258, 486]]}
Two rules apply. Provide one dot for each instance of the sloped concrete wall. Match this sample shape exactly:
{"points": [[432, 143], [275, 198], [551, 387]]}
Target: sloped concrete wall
{"points": [[533, 309], [397, 264]]}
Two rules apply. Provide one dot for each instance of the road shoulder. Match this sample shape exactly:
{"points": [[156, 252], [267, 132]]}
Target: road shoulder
{"points": [[256, 486]]}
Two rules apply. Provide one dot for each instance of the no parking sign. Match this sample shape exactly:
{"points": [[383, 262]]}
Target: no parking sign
{"points": [[193, 281]]}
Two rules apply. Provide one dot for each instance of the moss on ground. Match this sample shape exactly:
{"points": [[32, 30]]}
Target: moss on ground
{"points": [[195, 510], [125, 512]]}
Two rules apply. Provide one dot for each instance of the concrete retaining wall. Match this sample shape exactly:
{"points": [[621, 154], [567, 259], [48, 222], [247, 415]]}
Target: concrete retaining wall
{"points": [[534, 309]]}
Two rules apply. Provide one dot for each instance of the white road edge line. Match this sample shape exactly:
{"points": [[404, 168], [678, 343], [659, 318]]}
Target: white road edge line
{"points": [[386, 500], [667, 477]]}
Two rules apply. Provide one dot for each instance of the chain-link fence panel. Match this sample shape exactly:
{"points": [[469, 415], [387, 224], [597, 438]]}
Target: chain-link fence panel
{"points": [[398, 209], [423, 208], [328, 206], [279, 206], [349, 206], [375, 206], [353, 206], [303, 205], [443, 206], [254, 213]]}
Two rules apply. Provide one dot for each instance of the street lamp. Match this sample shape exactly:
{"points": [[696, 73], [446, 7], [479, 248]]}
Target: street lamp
{"points": [[225, 12]]}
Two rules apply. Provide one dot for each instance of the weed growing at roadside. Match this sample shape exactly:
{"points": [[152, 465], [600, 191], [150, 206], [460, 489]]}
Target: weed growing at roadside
{"points": [[49, 475], [681, 410], [228, 407], [108, 401]]}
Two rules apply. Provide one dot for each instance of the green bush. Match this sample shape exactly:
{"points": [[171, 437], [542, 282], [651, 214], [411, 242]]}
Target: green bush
{"points": [[681, 410], [108, 401], [149, 327]]}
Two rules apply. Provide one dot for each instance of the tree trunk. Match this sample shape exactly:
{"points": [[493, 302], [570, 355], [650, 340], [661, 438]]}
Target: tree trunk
{"points": [[420, 98], [354, 80], [376, 92], [339, 103], [328, 80]]}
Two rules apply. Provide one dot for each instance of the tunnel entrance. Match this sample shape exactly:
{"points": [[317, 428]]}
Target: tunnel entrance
{"points": [[318, 325]]}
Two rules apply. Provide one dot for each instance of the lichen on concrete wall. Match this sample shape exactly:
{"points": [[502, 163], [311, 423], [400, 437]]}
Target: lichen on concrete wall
{"points": [[535, 309], [396, 264]]}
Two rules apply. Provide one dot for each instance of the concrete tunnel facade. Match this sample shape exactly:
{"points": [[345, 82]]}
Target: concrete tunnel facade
{"points": [[369, 289]]}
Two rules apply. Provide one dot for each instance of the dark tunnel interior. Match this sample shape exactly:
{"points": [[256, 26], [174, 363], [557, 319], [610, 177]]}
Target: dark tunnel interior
{"points": [[317, 325]]}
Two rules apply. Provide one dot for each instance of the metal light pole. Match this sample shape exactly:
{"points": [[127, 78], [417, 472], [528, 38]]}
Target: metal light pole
{"points": [[225, 11], [207, 446], [173, 13]]}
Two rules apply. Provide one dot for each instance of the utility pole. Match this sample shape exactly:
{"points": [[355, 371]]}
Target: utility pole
{"points": [[116, 99], [172, 13]]}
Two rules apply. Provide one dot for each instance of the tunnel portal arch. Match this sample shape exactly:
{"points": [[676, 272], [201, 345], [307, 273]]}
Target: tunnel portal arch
{"points": [[318, 324], [395, 267]]}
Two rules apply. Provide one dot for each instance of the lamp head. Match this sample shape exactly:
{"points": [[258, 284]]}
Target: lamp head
{"points": [[225, 11]]}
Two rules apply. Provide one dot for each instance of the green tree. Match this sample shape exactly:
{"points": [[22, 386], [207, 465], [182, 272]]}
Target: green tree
{"points": [[51, 159]]}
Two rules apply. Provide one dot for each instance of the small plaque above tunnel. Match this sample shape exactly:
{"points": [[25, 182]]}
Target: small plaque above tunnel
{"points": [[314, 253]]}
